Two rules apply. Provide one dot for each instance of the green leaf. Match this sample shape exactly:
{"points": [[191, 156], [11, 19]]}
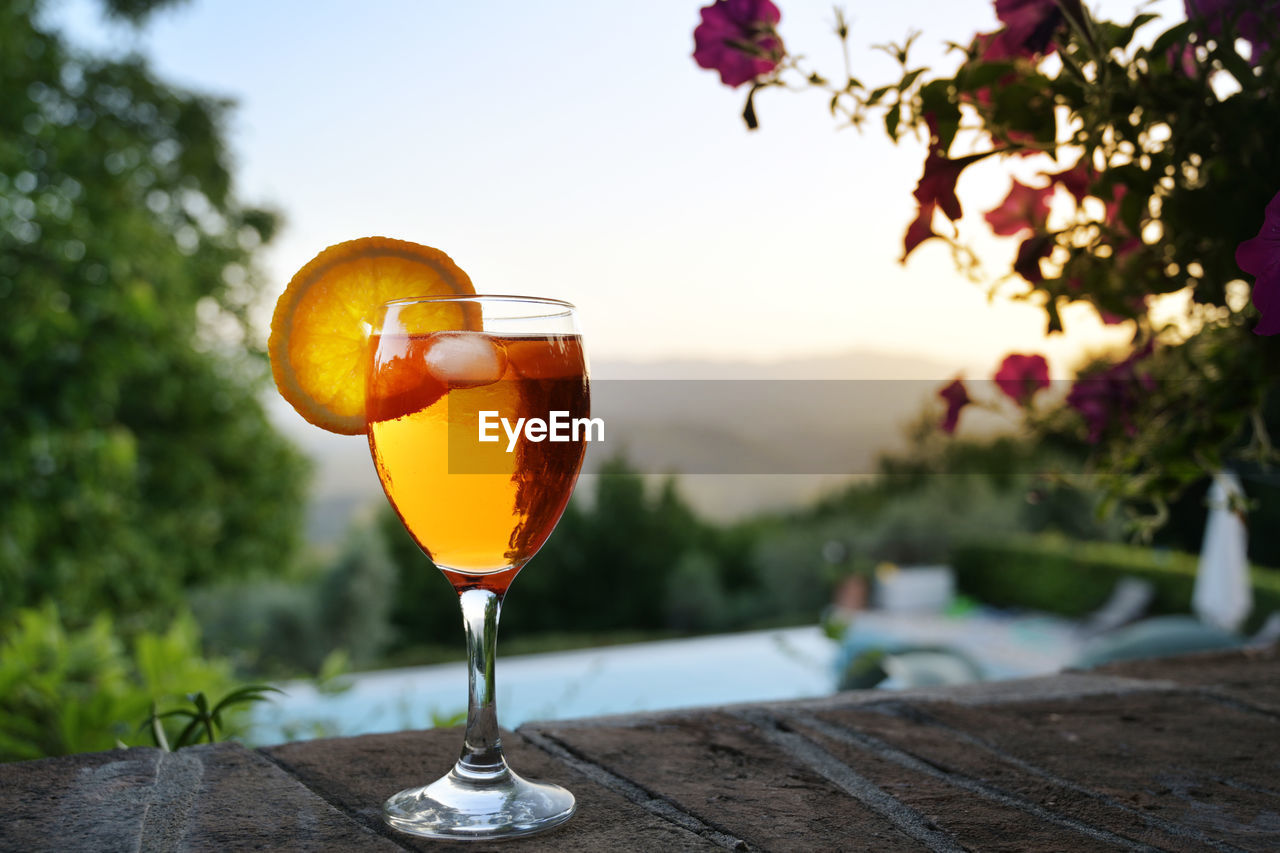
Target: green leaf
{"points": [[981, 75], [157, 730], [877, 94], [244, 696], [1172, 37], [1137, 23], [936, 98], [1133, 207], [910, 78], [891, 118], [187, 737]]}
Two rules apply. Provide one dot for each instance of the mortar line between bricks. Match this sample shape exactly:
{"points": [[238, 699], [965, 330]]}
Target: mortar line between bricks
{"points": [[653, 803], [919, 716], [1233, 703], [376, 826], [903, 817], [877, 747], [1245, 786]]}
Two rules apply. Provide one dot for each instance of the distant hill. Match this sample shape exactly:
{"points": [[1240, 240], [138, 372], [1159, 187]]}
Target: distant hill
{"points": [[744, 436], [850, 364]]}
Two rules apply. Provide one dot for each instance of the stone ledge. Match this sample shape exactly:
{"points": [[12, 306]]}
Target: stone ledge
{"points": [[1177, 754]]}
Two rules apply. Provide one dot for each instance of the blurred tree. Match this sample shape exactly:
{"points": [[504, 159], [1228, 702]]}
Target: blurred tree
{"points": [[424, 609], [135, 457], [607, 564]]}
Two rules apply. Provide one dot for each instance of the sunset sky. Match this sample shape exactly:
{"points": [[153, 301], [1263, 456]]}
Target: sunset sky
{"points": [[573, 149]]}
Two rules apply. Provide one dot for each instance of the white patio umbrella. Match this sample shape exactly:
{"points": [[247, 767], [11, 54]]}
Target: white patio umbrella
{"points": [[1223, 595]]}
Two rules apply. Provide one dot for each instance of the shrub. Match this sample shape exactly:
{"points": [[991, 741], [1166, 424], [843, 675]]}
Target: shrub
{"points": [[355, 598], [1072, 578], [286, 628], [64, 691], [696, 600], [267, 627]]}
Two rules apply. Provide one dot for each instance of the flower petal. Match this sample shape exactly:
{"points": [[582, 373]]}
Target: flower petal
{"points": [[737, 39], [957, 397]]}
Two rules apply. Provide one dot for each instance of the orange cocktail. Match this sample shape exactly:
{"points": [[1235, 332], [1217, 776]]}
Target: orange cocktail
{"points": [[475, 507], [453, 384], [388, 339]]}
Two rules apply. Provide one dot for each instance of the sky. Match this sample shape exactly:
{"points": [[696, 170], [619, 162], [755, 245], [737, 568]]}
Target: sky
{"points": [[573, 149]]}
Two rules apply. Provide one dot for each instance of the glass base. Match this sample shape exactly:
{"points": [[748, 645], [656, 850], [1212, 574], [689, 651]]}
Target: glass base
{"points": [[466, 804]]}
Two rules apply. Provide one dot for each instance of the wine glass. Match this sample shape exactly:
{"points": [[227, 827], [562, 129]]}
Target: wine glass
{"points": [[480, 497]]}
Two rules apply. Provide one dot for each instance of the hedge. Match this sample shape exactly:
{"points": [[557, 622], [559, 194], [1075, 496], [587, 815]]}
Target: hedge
{"points": [[1073, 578]]}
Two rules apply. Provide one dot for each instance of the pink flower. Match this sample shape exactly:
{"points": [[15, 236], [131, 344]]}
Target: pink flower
{"points": [[938, 183], [1260, 257], [1021, 376], [1027, 263], [957, 397], [1111, 395], [738, 39], [1030, 25], [1183, 57], [936, 189], [1075, 180], [920, 229], [991, 47], [1252, 20], [1023, 208]]}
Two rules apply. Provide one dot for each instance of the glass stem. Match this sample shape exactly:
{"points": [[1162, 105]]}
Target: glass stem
{"points": [[482, 748]]}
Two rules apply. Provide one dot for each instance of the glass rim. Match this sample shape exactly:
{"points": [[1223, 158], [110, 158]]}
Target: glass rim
{"points": [[481, 297]]}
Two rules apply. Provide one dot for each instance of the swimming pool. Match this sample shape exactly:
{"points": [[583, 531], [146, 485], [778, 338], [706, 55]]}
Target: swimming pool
{"points": [[747, 667], [756, 666]]}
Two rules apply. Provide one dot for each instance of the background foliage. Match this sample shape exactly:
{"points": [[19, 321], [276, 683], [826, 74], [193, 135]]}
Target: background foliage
{"points": [[84, 690], [139, 475], [1139, 162], [1058, 575], [135, 458]]}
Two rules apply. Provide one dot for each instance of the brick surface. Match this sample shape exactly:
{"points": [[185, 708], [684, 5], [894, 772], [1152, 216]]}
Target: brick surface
{"points": [[1251, 676], [1176, 771], [963, 795], [1188, 761], [357, 774], [717, 768], [220, 797], [1179, 754]]}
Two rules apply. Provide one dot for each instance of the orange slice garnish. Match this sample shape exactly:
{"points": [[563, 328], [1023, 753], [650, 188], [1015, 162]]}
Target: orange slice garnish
{"points": [[320, 331]]}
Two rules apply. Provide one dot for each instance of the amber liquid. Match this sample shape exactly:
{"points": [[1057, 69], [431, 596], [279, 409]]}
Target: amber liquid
{"points": [[479, 512]]}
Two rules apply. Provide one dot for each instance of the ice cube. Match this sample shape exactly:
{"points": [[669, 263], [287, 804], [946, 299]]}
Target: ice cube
{"points": [[466, 359]]}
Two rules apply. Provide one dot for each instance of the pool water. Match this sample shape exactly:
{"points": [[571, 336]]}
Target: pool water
{"points": [[754, 666]]}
